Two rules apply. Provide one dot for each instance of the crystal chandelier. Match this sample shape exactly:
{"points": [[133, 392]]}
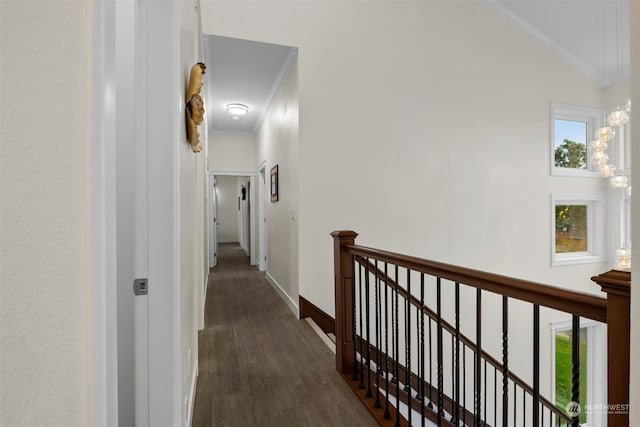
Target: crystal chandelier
{"points": [[614, 135]]}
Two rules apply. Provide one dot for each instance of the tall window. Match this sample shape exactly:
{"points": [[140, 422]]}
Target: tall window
{"points": [[572, 128], [593, 370], [564, 370]]}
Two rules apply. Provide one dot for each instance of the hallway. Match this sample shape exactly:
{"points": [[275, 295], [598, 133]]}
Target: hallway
{"points": [[258, 364]]}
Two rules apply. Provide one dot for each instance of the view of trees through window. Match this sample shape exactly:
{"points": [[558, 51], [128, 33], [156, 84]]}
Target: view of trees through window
{"points": [[564, 368], [570, 144], [571, 228]]}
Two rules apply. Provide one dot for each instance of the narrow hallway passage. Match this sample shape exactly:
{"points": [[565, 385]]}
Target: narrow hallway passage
{"points": [[258, 364]]}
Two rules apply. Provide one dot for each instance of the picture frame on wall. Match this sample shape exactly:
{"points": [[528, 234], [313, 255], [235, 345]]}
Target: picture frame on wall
{"points": [[274, 184]]}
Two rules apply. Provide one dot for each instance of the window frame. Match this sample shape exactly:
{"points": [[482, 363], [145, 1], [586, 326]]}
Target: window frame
{"points": [[595, 229], [590, 116]]}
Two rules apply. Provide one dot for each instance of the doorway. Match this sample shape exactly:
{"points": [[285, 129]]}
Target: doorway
{"points": [[231, 217]]}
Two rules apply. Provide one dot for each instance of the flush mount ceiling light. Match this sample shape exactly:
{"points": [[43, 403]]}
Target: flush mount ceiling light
{"points": [[237, 109]]}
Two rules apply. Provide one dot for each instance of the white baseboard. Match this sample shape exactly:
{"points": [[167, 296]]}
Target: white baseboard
{"points": [[192, 393], [246, 251], [286, 298], [228, 241]]}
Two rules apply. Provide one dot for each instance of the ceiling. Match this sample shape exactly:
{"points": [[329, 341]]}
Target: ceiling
{"points": [[242, 71], [593, 35]]}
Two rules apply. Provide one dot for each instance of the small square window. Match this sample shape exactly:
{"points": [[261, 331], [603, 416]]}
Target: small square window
{"points": [[577, 231], [571, 228], [572, 128]]}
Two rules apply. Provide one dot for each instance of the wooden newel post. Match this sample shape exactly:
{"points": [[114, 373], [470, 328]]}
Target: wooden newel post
{"points": [[617, 285], [343, 267]]}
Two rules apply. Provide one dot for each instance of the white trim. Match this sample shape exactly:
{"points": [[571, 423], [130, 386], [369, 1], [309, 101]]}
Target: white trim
{"points": [[103, 339], [284, 72], [595, 229], [253, 253], [229, 241], [231, 173], [325, 339], [192, 393], [285, 297]]}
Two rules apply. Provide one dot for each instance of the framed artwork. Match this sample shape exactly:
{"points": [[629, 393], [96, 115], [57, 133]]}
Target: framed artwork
{"points": [[274, 183]]}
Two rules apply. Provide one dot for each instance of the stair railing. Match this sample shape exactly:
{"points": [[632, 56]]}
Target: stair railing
{"points": [[377, 311]]}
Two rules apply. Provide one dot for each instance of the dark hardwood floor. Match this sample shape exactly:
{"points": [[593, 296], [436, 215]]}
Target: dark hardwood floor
{"points": [[258, 364]]}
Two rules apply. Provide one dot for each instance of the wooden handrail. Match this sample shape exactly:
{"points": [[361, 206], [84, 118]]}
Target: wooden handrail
{"points": [[582, 304], [613, 310]]}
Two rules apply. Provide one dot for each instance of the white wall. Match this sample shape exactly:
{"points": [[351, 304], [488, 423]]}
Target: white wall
{"points": [[470, 145], [277, 144], [232, 153], [191, 179], [460, 173], [228, 214], [45, 229]]}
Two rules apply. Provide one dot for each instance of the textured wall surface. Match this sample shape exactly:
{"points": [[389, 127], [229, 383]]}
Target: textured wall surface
{"points": [[44, 123]]}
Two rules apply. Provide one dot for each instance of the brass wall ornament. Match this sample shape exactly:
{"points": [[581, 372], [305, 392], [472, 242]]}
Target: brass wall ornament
{"points": [[195, 106]]}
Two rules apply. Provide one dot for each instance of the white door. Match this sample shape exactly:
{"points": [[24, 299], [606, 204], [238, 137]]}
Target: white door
{"points": [[213, 222]]}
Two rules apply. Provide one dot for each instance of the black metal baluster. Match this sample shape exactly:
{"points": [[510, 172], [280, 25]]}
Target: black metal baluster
{"points": [[407, 336], [421, 347], [495, 395], [485, 390], [387, 414], [407, 343], [397, 352], [366, 290], [478, 379], [505, 360], [536, 364], [524, 408], [453, 384], [378, 346], [456, 406], [439, 349], [515, 402], [355, 323], [394, 328], [464, 384], [575, 360], [430, 368], [361, 385]]}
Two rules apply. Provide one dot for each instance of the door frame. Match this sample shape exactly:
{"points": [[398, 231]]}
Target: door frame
{"points": [[252, 197], [212, 220]]}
